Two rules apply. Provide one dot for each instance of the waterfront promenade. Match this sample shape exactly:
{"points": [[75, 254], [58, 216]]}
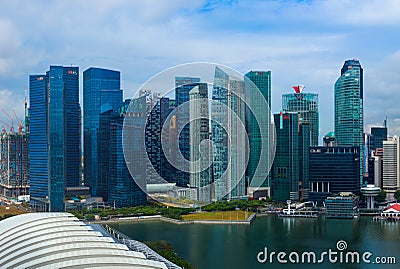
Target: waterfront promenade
{"points": [[248, 221]]}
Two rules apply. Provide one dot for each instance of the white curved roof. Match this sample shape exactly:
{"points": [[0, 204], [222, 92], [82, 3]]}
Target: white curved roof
{"points": [[60, 240]]}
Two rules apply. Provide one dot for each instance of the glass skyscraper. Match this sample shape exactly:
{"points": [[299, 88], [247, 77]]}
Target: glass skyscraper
{"points": [[54, 148], [349, 107], [290, 173], [230, 148], [307, 105], [200, 155], [258, 81], [154, 135], [378, 135], [122, 189], [183, 85], [101, 91]]}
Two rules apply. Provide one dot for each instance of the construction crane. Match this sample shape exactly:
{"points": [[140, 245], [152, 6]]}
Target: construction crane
{"points": [[7, 125], [20, 123], [11, 118]]}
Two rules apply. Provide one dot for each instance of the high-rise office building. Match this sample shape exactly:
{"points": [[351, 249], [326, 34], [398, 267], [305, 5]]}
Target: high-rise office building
{"points": [[155, 134], [377, 170], [333, 170], [258, 84], [183, 85], [228, 136], [349, 108], [54, 148], [378, 135], [200, 153], [290, 173], [349, 105], [306, 104], [123, 190], [101, 91], [391, 164]]}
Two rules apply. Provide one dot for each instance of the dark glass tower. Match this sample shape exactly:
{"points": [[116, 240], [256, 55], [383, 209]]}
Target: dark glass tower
{"points": [[183, 85], [54, 131], [153, 138], [307, 105], [290, 173], [378, 135], [333, 170], [258, 81], [101, 91], [115, 177]]}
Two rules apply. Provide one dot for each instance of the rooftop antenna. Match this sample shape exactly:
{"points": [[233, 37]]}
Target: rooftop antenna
{"points": [[385, 122]]}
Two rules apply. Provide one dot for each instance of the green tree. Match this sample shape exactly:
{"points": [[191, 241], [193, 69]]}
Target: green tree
{"points": [[166, 250], [381, 197], [397, 195], [89, 216]]}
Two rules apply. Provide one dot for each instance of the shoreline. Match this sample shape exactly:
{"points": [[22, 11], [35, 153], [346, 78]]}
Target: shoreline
{"points": [[161, 218]]}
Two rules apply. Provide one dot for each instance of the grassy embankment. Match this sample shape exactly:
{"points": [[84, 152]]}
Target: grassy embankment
{"points": [[9, 211], [219, 215]]}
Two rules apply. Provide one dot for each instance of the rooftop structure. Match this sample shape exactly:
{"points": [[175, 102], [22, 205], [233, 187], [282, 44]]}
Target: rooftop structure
{"points": [[370, 191], [59, 240]]}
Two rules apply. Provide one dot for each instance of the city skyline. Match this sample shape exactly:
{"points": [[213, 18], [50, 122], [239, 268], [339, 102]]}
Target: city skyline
{"points": [[297, 49]]}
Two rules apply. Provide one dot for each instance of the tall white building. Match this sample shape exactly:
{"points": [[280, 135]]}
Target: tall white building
{"points": [[391, 164], [200, 146]]}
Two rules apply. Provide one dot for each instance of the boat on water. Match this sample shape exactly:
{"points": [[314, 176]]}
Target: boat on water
{"points": [[292, 213], [297, 212]]}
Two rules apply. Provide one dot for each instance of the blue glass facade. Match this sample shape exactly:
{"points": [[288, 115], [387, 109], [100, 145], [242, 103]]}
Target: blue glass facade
{"points": [[38, 154], [183, 85], [101, 91], [122, 189], [55, 129], [378, 135]]}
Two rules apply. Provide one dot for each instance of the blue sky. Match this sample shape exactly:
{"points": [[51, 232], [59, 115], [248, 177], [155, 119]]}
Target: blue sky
{"points": [[301, 42]]}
